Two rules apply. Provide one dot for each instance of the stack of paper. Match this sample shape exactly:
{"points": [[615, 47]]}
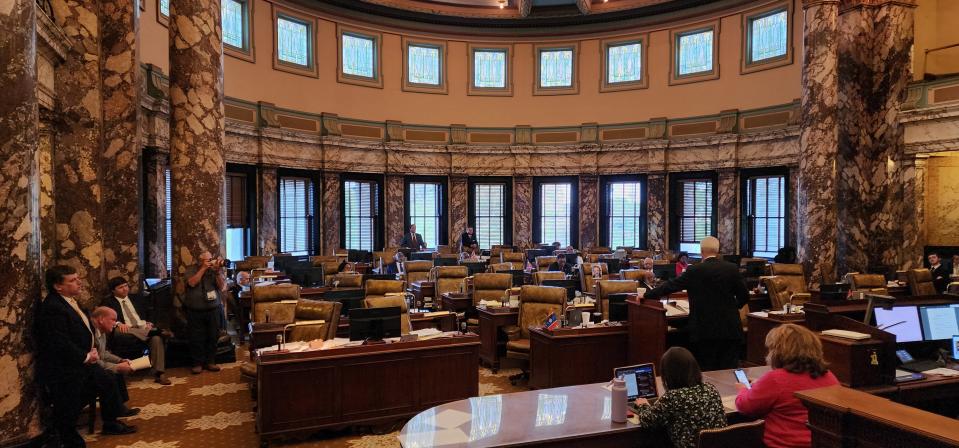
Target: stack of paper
{"points": [[943, 371]]}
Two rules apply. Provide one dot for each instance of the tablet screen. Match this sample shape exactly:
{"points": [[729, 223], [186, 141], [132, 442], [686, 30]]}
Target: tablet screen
{"points": [[640, 381]]}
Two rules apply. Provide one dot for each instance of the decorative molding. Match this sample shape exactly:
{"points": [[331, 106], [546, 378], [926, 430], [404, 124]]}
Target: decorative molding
{"points": [[458, 135], [589, 133], [657, 127], [331, 124], [394, 131], [268, 115], [727, 121], [523, 135]]}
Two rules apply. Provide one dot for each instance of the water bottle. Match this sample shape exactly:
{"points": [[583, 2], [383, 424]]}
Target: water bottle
{"points": [[618, 399]]}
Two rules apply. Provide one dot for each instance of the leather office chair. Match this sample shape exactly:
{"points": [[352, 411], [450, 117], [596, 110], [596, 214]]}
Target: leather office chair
{"points": [[245, 265], [449, 279], [536, 303], [279, 300], [260, 260], [640, 254], [952, 288], [497, 249], [490, 287], [740, 435], [444, 249], [869, 283], [384, 302], [344, 280], [383, 258], [600, 250], [789, 285], [607, 287], [920, 282], [416, 270], [500, 267], [513, 257], [586, 276], [542, 263], [379, 288], [330, 265], [539, 276], [792, 274], [639, 275]]}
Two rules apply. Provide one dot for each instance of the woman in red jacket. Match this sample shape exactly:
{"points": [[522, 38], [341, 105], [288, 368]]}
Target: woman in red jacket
{"points": [[795, 354]]}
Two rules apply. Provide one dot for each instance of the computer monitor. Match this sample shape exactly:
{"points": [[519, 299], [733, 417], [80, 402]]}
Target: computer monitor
{"points": [[571, 259], [281, 262], [640, 381], [902, 321], [939, 322], [664, 271], [421, 256], [955, 347], [833, 291], [755, 268], [533, 253], [569, 284], [734, 259], [444, 261], [349, 297], [617, 307], [359, 256], [612, 264], [307, 277], [374, 323]]}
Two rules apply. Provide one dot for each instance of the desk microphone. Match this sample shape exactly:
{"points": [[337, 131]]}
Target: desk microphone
{"points": [[892, 325]]}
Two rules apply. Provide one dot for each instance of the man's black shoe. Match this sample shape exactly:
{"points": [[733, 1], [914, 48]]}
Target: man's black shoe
{"points": [[129, 412], [117, 428]]}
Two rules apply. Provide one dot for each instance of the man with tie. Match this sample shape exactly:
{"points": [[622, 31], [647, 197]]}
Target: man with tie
{"points": [[940, 273], [413, 240], [67, 360], [133, 334]]}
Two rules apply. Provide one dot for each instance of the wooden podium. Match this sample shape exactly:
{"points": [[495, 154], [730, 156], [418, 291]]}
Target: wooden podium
{"points": [[648, 328]]}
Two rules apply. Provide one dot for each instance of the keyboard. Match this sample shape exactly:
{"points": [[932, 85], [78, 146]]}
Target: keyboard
{"points": [[920, 366]]}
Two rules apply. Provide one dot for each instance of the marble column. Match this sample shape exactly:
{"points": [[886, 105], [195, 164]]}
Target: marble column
{"points": [[818, 141], [588, 211], [266, 219], [48, 223], [727, 210], [913, 213], [522, 211], [19, 232], [155, 165], [331, 213], [791, 205], [395, 209], [656, 212], [459, 208], [119, 174], [197, 166], [76, 155]]}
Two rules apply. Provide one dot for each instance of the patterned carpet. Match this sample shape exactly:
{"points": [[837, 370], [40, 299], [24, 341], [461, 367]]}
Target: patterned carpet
{"points": [[215, 410]]}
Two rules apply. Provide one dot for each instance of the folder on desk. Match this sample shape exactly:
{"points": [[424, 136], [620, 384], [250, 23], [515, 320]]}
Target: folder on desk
{"points": [[436, 314]]}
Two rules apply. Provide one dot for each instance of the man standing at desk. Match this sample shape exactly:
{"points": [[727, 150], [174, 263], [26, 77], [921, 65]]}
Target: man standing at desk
{"points": [[413, 240], [716, 293]]}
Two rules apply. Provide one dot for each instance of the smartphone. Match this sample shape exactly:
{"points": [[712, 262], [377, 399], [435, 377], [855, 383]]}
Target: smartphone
{"points": [[741, 377]]}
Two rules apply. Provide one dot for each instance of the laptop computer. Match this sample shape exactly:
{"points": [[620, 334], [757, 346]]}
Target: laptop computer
{"points": [[640, 383]]}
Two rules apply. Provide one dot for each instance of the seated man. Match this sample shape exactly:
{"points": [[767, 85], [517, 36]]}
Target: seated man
{"points": [[133, 334], [470, 253], [104, 320], [394, 266], [561, 265]]}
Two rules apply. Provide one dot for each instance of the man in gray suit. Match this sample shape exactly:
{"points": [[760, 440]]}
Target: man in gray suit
{"points": [[104, 319]]}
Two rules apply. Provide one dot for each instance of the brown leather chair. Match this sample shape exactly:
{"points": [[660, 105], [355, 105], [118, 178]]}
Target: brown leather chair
{"points": [[740, 435], [952, 288], [539, 276], [384, 302], [330, 265], [260, 260], [500, 267], [789, 286], [920, 282], [640, 254], [513, 257], [383, 258], [490, 287], [869, 283], [416, 270], [279, 300], [449, 279], [315, 310], [778, 289], [379, 288], [536, 303], [607, 287], [586, 276], [245, 265], [636, 274], [543, 262], [345, 280], [600, 250], [444, 249], [497, 249], [792, 274]]}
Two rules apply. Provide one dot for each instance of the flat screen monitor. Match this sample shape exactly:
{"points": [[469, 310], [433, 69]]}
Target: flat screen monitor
{"points": [[640, 381], [734, 259], [307, 277], [955, 347], [569, 284], [833, 291], [533, 253], [612, 264], [939, 322], [423, 256], [571, 259], [374, 323], [359, 256], [445, 261], [902, 321], [282, 262], [664, 271], [755, 268], [349, 297], [617, 307]]}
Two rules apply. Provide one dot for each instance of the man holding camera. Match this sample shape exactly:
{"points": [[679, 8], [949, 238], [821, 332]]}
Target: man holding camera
{"points": [[204, 282]]}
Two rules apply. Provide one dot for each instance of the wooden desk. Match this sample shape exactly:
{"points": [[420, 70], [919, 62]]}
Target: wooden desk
{"points": [[263, 334], [493, 341], [757, 329], [572, 416], [421, 290], [649, 328], [445, 322], [842, 417], [456, 302], [569, 356], [309, 391]]}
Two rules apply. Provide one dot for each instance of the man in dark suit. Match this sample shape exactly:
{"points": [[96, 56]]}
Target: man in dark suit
{"points": [[67, 360], [716, 293], [134, 333], [940, 272], [413, 240], [468, 240], [561, 265]]}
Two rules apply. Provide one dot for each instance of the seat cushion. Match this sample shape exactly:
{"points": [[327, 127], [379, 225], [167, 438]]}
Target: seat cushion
{"points": [[519, 345], [248, 369]]}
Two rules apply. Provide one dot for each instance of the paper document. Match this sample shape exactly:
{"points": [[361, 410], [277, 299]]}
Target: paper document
{"points": [[681, 308], [943, 371], [140, 363], [436, 313], [334, 343], [426, 332], [900, 373], [729, 402], [759, 314]]}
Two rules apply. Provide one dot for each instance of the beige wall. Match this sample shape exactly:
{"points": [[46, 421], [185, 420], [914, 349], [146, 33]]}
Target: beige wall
{"points": [[936, 26], [942, 201], [154, 38]]}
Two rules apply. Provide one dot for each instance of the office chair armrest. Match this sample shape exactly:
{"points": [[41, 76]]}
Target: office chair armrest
{"points": [[801, 295], [512, 332]]}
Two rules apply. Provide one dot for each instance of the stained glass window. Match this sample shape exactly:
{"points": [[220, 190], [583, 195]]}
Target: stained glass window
{"points": [[165, 7], [293, 41], [358, 56], [695, 52], [489, 68], [767, 36], [624, 62], [232, 13], [423, 65], [556, 68]]}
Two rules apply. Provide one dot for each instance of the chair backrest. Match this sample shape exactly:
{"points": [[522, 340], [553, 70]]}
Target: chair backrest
{"points": [[952, 288], [488, 286], [385, 302], [635, 274], [279, 299], [246, 265], [539, 276], [329, 312], [640, 254], [607, 287], [330, 265], [260, 260], [383, 258], [920, 282], [600, 250], [543, 262], [536, 303], [376, 287], [444, 249], [449, 278], [347, 280], [792, 274], [778, 291], [586, 276], [740, 435], [513, 257], [869, 282], [498, 249], [417, 270], [500, 267]]}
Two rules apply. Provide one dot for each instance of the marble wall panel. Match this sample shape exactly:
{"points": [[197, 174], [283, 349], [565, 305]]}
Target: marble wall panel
{"points": [[942, 201], [19, 231], [727, 211], [354, 159], [331, 213], [622, 162], [914, 213], [120, 152], [777, 151], [409, 162], [395, 210], [555, 164], [656, 200], [197, 165], [79, 227], [459, 208], [267, 221], [242, 148], [705, 155], [589, 211], [291, 153], [932, 131], [48, 219], [478, 164], [792, 206], [155, 165], [522, 211]]}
